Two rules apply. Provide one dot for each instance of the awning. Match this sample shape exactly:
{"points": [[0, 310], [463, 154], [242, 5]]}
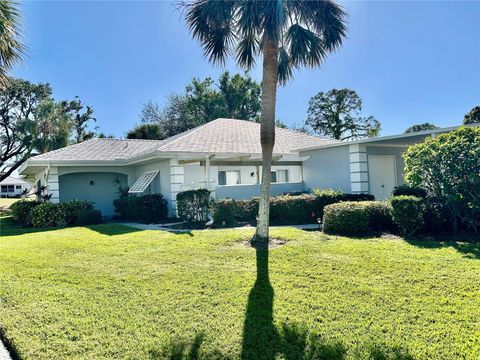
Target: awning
{"points": [[142, 182]]}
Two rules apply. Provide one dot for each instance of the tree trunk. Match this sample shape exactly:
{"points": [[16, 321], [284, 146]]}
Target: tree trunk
{"points": [[267, 132]]}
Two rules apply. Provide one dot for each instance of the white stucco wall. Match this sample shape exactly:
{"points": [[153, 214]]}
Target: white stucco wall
{"points": [[327, 168]]}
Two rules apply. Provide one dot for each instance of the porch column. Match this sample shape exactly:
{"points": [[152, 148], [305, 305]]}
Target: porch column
{"points": [[52, 183], [177, 180], [358, 168]]}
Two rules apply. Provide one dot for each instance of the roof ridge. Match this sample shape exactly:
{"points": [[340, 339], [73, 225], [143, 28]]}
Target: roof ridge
{"points": [[186, 133]]}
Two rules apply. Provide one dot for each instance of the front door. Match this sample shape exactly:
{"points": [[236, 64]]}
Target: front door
{"points": [[381, 170]]}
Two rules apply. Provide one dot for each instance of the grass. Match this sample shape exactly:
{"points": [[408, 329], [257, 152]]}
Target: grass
{"points": [[6, 202], [110, 291]]}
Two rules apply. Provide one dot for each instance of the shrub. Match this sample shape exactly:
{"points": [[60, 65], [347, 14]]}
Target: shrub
{"points": [[88, 217], [346, 218], [379, 215], [48, 214], [152, 208], [193, 205], [287, 209], [148, 208], [408, 214], [223, 213], [291, 210], [22, 211], [447, 166], [73, 207], [410, 190]]}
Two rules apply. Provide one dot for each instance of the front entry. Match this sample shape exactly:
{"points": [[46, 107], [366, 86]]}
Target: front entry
{"points": [[381, 170]]}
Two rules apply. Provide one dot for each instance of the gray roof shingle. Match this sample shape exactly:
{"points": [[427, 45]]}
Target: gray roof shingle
{"points": [[228, 136]]}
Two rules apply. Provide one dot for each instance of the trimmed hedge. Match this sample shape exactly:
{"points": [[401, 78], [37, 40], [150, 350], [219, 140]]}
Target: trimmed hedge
{"points": [[22, 212], [73, 207], [148, 208], [409, 190], [284, 209], [193, 205], [357, 218], [408, 213], [48, 214]]}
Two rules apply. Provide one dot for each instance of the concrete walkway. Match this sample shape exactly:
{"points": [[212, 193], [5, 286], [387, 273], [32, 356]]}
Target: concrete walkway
{"points": [[166, 228]]}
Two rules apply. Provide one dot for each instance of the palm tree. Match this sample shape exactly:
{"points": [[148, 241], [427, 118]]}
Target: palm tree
{"points": [[11, 48], [289, 34]]}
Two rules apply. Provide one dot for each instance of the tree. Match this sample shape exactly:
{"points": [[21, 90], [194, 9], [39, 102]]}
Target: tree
{"points": [[53, 126], [205, 100], [447, 166], [11, 48], [289, 34], [80, 120], [421, 127], [19, 102], [473, 116], [336, 114], [147, 132]]}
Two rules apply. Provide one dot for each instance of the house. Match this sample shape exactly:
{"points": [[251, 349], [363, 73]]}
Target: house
{"points": [[223, 156], [13, 187]]}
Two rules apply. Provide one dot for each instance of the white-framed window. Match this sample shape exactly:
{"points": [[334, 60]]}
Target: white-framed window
{"points": [[229, 177], [8, 188], [280, 176], [143, 182], [18, 187]]}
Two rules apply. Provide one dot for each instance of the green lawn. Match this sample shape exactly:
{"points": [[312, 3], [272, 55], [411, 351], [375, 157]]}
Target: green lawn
{"points": [[110, 291]]}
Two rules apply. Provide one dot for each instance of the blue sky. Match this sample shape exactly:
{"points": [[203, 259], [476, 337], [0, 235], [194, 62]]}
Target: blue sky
{"points": [[411, 62]]}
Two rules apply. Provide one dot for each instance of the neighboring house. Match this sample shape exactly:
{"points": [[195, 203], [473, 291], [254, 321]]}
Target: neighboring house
{"points": [[224, 156], [13, 187]]}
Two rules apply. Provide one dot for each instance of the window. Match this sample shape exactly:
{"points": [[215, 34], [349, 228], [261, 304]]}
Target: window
{"points": [[8, 188], [229, 177], [18, 187], [280, 176]]}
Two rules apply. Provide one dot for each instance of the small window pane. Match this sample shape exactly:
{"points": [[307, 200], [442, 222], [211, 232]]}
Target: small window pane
{"points": [[274, 177], [222, 178], [282, 176], [4, 188], [18, 187]]}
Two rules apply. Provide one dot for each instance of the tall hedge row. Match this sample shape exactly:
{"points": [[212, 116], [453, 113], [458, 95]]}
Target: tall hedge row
{"points": [[284, 209]]}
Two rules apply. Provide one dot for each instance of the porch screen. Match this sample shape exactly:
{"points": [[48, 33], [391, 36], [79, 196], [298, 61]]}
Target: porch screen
{"points": [[143, 181]]}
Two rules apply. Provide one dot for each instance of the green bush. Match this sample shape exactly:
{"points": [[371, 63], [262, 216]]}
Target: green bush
{"points": [[22, 212], [346, 218], [193, 205], [448, 167], [292, 210], [409, 190], [286, 209], [408, 214], [223, 213], [48, 214], [328, 196], [379, 215], [72, 209], [148, 208], [88, 217]]}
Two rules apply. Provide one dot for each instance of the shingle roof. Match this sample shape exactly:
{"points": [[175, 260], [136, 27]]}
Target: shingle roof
{"points": [[9, 180], [238, 136], [228, 136], [101, 149]]}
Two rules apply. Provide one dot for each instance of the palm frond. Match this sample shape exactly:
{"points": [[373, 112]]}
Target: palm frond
{"points": [[247, 51], [11, 47], [305, 46], [285, 66], [212, 23]]}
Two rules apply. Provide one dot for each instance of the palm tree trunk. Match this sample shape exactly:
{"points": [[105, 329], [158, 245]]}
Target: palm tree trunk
{"points": [[267, 132]]}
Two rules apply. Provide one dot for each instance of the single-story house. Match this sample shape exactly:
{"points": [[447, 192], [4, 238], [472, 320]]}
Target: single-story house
{"points": [[13, 187], [223, 156]]}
